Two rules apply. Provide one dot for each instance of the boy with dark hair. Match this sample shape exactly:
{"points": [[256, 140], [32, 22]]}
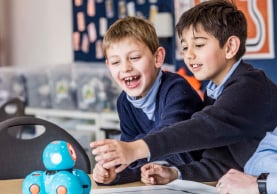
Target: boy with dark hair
{"points": [[240, 103]]}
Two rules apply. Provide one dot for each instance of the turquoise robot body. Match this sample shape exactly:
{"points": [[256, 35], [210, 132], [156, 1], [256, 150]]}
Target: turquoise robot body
{"points": [[60, 177]]}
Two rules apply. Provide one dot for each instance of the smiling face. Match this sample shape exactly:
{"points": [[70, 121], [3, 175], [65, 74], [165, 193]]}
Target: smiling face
{"points": [[133, 66], [203, 55]]}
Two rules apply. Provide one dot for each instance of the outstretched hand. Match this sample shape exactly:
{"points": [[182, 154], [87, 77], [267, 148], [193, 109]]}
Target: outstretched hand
{"points": [[114, 153]]}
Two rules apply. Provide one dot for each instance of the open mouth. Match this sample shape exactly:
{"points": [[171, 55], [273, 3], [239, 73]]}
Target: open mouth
{"points": [[131, 81], [195, 67]]}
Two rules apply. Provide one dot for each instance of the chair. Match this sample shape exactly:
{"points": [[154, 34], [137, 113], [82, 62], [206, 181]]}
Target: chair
{"points": [[20, 157], [11, 108]]}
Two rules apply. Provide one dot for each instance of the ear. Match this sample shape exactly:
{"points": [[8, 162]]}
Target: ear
{"points": [[159, 57], [232, 46], [107, 62]]}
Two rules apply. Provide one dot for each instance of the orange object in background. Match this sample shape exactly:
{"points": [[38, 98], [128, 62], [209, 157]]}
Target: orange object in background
{"points": [[192, 81]]}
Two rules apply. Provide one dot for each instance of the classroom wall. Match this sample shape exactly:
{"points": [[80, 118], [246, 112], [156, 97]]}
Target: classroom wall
{"points": [[40, 32]]}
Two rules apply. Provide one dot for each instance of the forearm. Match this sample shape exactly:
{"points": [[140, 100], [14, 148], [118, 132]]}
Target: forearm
{"points": [[140, 149]]}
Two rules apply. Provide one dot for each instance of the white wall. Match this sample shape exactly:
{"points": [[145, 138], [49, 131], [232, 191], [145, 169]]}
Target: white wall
{"points": [[40, 32], [3, 32]]}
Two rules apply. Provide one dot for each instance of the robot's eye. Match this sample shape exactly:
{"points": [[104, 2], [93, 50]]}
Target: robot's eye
{"points": [[72, 151]]}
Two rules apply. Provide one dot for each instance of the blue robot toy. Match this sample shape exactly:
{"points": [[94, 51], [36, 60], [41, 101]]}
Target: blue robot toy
{"points": [[60, 177]]}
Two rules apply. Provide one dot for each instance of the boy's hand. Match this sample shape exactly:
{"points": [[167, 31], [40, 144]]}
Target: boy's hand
{"points": [[236, 182], [112, 153], [156, 174], [102, 175]]}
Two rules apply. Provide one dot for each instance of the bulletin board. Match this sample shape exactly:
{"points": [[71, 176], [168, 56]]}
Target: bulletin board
{"points": [[91, 18], [259, 15]]}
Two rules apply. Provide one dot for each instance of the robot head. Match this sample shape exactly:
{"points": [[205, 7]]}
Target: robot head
{"points": [[59, 155]]}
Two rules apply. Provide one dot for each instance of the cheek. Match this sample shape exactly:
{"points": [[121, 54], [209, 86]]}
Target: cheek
{"points": [[114, 72], [210, 57]]}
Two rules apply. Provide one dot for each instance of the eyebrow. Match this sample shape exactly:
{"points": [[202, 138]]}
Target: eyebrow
{"points": [[195, 38]]}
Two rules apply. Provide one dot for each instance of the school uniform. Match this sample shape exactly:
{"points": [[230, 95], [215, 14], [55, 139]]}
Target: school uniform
{"points": [[173, 99], [227, 130]]}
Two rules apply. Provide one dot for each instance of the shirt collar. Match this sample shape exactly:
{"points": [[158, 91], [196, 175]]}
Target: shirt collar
{"points": [[148, 102], [213, 91]]}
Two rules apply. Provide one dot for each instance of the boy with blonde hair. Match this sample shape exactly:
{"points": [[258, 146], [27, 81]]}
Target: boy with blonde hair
{"points": [[151, 99]]}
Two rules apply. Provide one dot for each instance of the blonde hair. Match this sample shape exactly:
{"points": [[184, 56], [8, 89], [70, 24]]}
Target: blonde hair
{"points": [[132, 27]]}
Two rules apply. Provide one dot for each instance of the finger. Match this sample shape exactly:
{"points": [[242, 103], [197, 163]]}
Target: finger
{"points": [[146, 167], [111, 163], [106, 157], [104, 172], [99, 174], [98, 178], [153, 169], [144, 173], [148, 181], [102, 149], [120, 168], [99, 143]]}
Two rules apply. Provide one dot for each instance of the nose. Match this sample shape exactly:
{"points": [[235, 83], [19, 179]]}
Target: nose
{"points": [[189, 54], [126, 66]]}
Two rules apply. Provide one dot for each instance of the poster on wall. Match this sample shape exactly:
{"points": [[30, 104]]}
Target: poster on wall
{"points": [[259, 15], [91, 19]]}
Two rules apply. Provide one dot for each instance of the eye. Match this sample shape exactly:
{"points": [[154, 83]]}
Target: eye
{"points": [[184, 48], [114, 62], [135, 58], [199, 45]]}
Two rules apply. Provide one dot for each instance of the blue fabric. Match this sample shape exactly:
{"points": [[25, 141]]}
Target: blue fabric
{"points": [[148, 102], [264, 160], [214, 91], [175, 101], [271, 185]]}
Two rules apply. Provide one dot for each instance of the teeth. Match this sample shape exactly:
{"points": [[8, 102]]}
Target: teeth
{"points": [[130, 78], [195, 65]]}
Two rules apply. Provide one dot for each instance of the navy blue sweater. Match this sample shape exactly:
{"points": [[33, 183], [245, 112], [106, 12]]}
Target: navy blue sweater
{"points": [[175, 101], [227, 130]]}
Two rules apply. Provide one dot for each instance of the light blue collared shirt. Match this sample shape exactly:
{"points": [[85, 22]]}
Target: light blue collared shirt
{"points": [[148, 102], [213, 91], [264, 160]]}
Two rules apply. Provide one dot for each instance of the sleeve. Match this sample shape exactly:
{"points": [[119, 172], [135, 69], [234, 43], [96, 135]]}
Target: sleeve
{"points": [[229, 120], [271, 185], [265, 157]]}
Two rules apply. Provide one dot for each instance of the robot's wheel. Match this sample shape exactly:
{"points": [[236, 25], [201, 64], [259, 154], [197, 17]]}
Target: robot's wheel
{"points": [[34, 189], [61, 190]]}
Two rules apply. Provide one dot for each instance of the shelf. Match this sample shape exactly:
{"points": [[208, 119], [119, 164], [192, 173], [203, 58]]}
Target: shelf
{"points": [[63, 113], [92, 121]]}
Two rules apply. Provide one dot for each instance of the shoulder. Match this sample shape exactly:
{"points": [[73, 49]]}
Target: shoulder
{"points": [[246, 72], [248, 78], [171, 79]]}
